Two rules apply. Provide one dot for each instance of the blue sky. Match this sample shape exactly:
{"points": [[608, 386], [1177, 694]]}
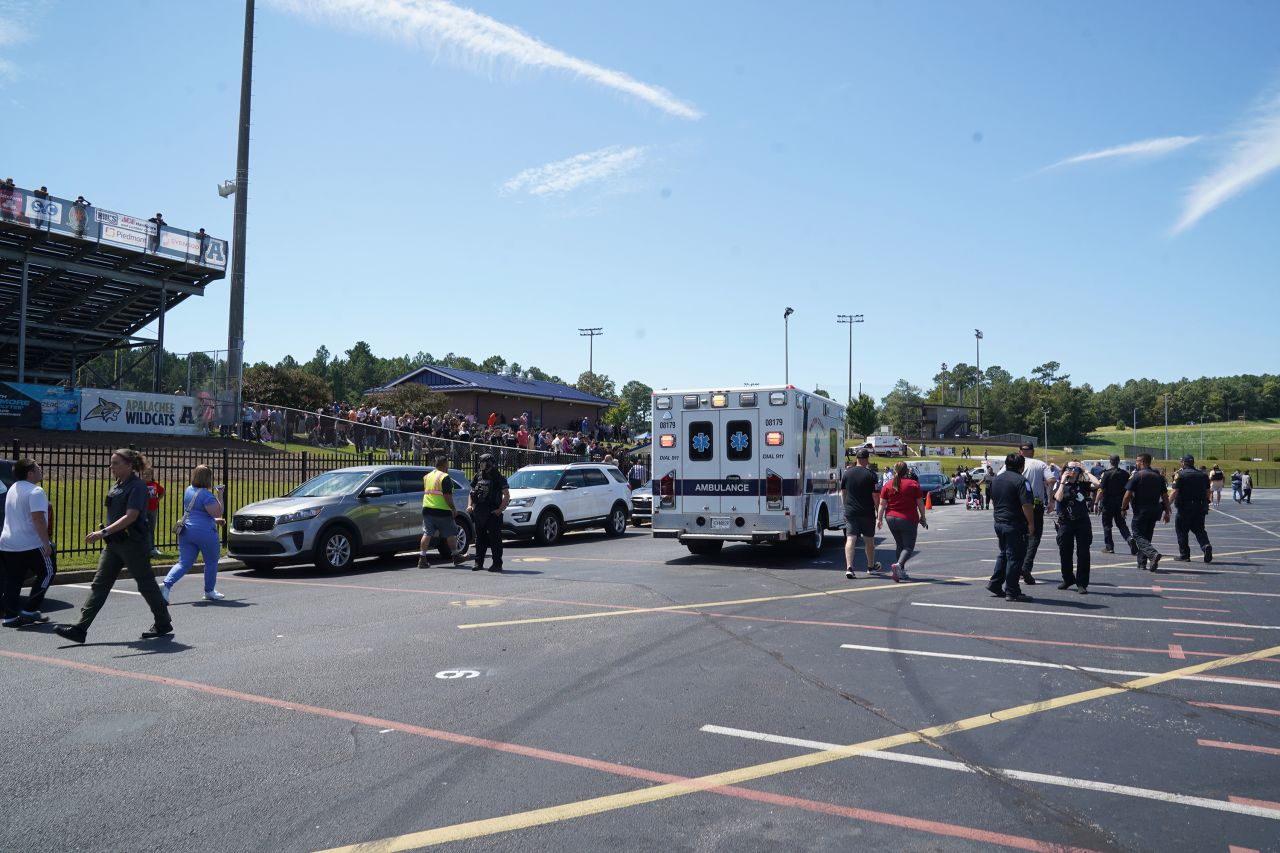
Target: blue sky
{"points": [[488, 178]]}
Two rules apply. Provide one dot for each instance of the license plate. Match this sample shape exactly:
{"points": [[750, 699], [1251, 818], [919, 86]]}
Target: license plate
{"points": [[719, 524]]}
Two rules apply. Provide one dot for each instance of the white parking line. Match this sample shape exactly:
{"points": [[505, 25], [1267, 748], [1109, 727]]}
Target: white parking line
{"points": [[1243, 682], [1215, 591], [1250, 523], [1021, 611], [87, 586], [1022, 775]]}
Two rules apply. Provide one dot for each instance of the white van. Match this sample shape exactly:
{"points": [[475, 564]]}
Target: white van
{"points": [[758, 464]]}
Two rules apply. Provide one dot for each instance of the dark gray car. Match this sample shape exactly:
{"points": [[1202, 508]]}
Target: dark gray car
{"points": [[340, 515]]}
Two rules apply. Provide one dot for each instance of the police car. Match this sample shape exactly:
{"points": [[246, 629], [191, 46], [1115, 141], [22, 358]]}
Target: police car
{"points": [[758, 464]]}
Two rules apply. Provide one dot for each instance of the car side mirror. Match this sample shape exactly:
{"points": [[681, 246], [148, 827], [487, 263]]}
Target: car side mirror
{"points": [[372, 492]]}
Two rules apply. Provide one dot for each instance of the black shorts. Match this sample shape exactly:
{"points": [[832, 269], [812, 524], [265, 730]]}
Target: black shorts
{"points": [[855, 525]]}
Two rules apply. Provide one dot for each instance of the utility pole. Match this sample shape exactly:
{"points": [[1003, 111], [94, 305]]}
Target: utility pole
{"points": [[1135, 429], [1046, 431], [786, 346], [944, 383], [977, 343], [849, 319], [235, 318], [591, 335]]}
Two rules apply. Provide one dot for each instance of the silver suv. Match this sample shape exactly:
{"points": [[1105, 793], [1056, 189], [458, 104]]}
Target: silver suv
{"points": [[547, 500], [339, 515]]}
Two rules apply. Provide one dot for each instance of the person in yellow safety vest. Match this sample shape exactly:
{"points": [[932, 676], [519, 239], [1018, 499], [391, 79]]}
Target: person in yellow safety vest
{"points": [[438, 513]]}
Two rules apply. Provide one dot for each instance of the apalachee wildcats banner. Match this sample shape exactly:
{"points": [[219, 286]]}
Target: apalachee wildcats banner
{"points": [[132, 411]]}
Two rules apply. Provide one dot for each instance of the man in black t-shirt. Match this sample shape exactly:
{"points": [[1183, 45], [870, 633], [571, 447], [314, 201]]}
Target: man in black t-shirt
{"points": [[1191, 497], [1014, 517], [1109, 498], [861, 502], [486, 503], [1148, 493]]}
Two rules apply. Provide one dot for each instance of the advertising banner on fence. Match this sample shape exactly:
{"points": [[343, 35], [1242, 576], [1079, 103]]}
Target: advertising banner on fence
{"points": [[39, 406], [133, 411]]}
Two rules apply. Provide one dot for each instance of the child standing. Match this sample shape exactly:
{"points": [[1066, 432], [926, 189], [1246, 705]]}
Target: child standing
{"points": [[155, 492]]}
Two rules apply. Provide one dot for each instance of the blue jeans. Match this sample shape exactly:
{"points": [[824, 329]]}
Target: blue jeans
{"points": [[190, 543]]}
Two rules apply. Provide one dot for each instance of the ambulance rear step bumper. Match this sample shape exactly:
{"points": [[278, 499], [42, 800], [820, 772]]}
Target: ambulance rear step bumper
{"points": [[755, 538]]}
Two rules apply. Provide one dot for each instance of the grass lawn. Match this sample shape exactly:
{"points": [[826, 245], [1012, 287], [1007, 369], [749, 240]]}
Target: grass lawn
{"points": [[1187, 438]]}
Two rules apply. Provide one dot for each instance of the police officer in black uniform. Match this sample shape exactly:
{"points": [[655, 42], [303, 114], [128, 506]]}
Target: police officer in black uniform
{"points": [[486, 503], [1111, 486], [1148, 493], [1073, 526], [1191, 499]]}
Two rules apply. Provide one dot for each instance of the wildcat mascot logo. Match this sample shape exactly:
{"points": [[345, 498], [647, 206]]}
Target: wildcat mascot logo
{"points": [[105, 411]]}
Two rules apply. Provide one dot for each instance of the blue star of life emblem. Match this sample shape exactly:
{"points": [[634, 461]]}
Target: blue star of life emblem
{"points": [[739, 441], [702, 442]]}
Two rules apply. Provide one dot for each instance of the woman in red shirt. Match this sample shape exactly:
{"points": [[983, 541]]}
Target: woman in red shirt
{"points": [[902, 502]]}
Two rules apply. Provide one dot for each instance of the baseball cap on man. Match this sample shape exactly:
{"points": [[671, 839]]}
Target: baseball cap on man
{"points": [[1188, 460]]}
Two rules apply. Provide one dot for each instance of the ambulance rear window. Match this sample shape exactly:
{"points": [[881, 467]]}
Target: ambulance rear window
{"points": [[737, 440], [701, 441]]}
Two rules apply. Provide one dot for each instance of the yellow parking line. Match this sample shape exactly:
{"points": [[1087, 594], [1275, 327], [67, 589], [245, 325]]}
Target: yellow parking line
{"points": [[573, 616], [613, 802]]}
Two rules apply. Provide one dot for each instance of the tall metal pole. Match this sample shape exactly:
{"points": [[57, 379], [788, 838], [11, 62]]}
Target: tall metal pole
{"points": [[944, 383], [977, 343], [1135, 429], [22, 319], [1046, 430], [235, 318], [591, 335], [786, 345], [849, 320]]}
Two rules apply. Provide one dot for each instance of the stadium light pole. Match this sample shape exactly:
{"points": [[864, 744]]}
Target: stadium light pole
{"points": [[977, 358], [1135, 430], [1046, 430], [591, 335], [786, 346], [944, 383], [849, 320], [235, 318]]}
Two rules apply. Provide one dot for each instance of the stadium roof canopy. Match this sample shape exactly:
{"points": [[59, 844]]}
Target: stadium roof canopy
{"points": [[78, 280], [451, 380]]}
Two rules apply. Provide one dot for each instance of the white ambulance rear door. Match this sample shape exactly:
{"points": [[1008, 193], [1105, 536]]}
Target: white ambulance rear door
{"points": [[740, 444], [701, 439]]}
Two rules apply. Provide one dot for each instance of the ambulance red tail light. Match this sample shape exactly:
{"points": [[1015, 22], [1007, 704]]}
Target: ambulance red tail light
{"points": [[667, 490], [773, 439], [666, 440], [772, 489]]}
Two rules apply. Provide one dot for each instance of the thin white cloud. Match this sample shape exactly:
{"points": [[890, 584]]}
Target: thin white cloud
{"points": [[563, 176], [1144, 149], [445, 27], [1253, 155]]}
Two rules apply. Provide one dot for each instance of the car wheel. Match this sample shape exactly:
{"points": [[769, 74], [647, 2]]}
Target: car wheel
{"points": [[548, 529], [617, 523], [952, 499], [463, 537], [258, 565], [704, 547], [335, 550], [811, 544]]}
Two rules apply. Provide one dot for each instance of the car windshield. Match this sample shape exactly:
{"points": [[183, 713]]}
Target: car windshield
{"points": [[330, 483], [930, 480], [546, 479]]}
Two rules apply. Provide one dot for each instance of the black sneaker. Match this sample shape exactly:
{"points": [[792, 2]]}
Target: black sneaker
{"points": [[1017, 596], [71, 632], [157, 631], [1182, 558], [996, 590], [1066, 584], [1083, 590], [496, 567], [1107, 550], [478, 566], [1155, 562], [1208, 553], [459, 559], [1027, 579], [424, 562]]}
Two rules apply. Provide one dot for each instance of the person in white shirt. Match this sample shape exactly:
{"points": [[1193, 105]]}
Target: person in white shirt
{"points": [[25, 547], [1041, 482]]}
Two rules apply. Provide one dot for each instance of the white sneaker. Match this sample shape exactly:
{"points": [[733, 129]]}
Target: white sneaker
{"points": [[164, 590], [214, 596], [850, 574]]}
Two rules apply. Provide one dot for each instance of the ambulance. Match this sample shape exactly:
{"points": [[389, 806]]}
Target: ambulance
{"points": [[757, 464]]}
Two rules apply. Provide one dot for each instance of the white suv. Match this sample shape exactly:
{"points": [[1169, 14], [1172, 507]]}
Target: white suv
{"points": [[547, 500]]}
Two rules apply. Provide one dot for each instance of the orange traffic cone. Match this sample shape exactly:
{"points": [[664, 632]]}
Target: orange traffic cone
{"points": [[928, 501]]}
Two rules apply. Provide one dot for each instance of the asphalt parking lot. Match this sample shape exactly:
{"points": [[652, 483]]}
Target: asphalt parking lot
{"points": [[621, 694]]}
